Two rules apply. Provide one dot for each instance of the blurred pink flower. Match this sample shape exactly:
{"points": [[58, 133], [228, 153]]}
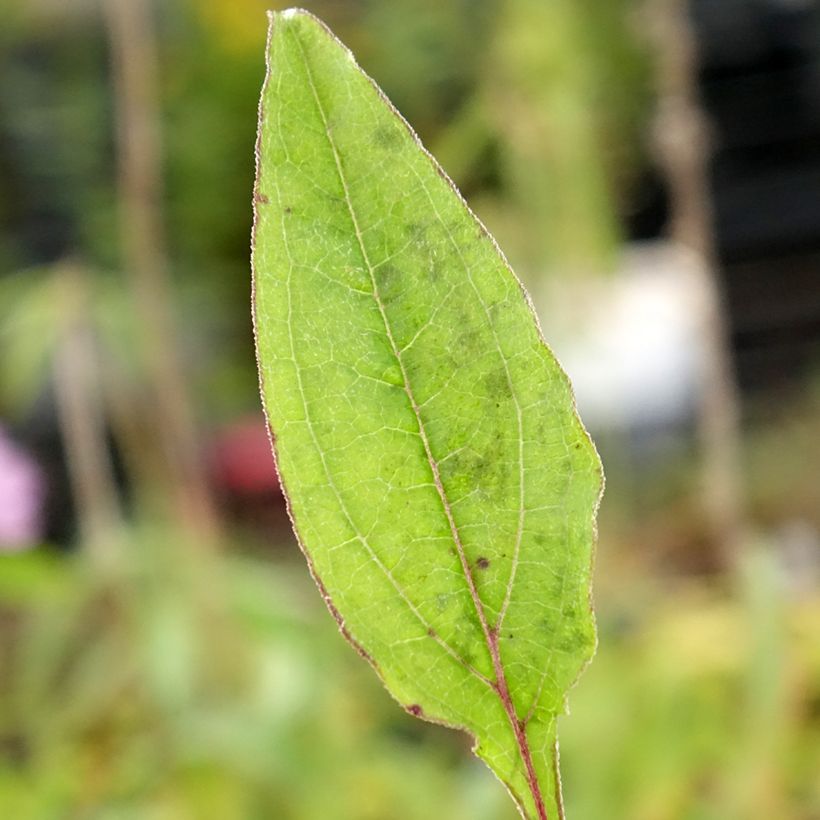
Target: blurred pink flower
{"points": [[22, 488]]}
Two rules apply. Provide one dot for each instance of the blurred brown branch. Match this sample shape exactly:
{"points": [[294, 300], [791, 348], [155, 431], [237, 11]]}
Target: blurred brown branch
{"points": [[80, 416], [134, 67], [682, 144]]}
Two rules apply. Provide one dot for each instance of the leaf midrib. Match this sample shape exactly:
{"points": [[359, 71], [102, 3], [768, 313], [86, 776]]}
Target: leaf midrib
{"points": [[433, 464]]}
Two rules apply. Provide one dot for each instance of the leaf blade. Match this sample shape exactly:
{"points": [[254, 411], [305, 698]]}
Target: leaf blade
{"points": [[412, 397]]}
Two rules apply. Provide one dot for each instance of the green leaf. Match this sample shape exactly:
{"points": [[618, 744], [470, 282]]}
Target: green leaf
{"points": [[439, 480]]}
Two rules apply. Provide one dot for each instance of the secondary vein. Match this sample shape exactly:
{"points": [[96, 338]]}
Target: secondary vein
{"points": [[518, 412]]}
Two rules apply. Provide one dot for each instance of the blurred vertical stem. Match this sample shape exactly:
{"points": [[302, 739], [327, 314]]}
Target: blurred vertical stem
{"points": [[134, 66], [80, 416], [682, 144], [542, 100]]}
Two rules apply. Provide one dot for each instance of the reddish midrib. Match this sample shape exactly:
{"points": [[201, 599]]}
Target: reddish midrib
{"points": [[519, 727]]}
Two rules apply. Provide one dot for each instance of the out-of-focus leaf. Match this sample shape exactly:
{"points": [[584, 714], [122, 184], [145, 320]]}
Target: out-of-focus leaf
{"points": [[29, 328], [439, 478]]}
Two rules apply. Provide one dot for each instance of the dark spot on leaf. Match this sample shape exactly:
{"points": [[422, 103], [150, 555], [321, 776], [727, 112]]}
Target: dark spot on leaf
{"points": [[572, 641], [470, 339], [495, 309], [431, 632], [389, 280], [497, 384], [415, 709], [260, 197], [482, 563], [288, 209], [387, 137]]}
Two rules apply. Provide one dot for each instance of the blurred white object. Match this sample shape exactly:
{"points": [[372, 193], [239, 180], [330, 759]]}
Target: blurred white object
{"points": [[630, 340], [798, 545], [21, 497]]}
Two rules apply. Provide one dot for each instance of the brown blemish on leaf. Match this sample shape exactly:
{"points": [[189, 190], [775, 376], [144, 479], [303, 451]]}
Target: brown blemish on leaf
{"points": [[415, 709], [340, 620], [482, 563], [260, 198], [387, 137], [497, 384]]}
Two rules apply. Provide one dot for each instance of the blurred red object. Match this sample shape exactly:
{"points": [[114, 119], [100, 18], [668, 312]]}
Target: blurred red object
{"points": [[240, 460]]}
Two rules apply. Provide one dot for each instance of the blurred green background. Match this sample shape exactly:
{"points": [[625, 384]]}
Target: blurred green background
{"points": [[163, 651]]}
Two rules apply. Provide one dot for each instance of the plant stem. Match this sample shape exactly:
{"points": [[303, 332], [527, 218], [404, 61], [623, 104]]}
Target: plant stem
{"points": [[681, 137], [82, 426], [134, 65]]}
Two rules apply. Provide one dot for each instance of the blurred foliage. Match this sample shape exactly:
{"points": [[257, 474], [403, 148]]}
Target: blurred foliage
{"points": [[532, 160], [183, 685], [535, 109], [563, 84], [179, 686]]}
